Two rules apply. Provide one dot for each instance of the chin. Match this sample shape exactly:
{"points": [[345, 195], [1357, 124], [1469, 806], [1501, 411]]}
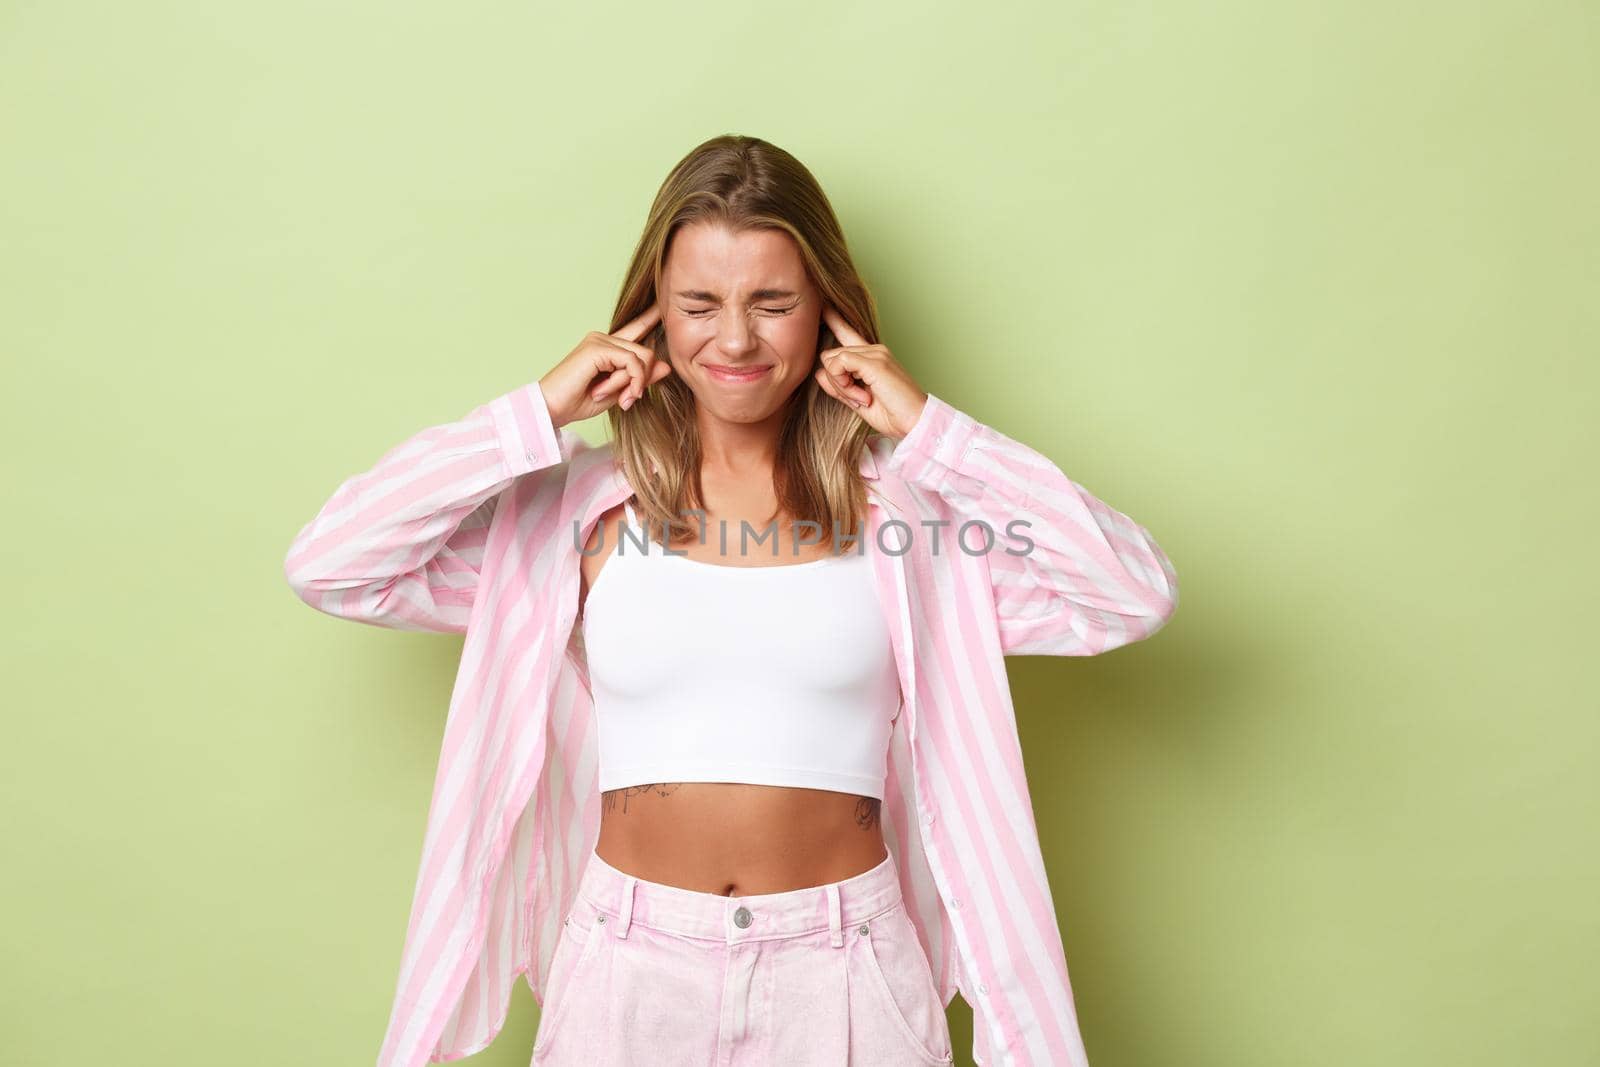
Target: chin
{"points": [[753, 410]]}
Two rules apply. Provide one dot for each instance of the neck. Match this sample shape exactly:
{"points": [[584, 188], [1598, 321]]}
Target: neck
{"points": [[740, 449]]}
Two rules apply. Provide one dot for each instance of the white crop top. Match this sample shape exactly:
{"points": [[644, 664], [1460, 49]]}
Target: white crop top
{"points": [[776, 674]]}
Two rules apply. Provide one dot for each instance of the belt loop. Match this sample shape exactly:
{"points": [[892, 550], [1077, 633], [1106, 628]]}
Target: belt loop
{"points": [[625, 910], [835, 927]]}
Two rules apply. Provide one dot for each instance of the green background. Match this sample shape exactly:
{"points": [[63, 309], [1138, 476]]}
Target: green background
{"points": [[1308, 290]]}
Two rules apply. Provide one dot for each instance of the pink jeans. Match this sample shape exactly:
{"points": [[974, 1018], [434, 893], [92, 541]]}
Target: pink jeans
{"points": [[830, 975]]}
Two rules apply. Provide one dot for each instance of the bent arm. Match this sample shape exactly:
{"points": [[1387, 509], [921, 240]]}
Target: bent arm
{"points": [[1092, 580], [401, 545]]}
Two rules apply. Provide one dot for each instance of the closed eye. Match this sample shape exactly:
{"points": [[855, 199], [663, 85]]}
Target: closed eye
{"points": [[700, 313]]}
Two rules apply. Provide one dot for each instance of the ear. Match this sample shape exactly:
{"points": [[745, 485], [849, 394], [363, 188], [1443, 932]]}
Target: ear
{"points": [[825, 338]]}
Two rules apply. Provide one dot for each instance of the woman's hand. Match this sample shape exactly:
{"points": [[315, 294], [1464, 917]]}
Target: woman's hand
{"points": [[624, 366], [885, 395]]}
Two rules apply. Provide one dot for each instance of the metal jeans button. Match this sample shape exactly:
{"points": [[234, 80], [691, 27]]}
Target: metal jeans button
{"points": [[741, 918]]}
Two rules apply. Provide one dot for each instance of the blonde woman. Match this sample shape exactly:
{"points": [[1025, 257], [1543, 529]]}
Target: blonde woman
{"points": [[731, 772]]}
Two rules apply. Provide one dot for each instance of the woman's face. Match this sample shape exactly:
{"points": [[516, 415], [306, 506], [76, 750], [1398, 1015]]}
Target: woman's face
{"points": [[741, 318]]}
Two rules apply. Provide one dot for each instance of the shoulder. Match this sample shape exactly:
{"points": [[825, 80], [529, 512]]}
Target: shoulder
{"points": [[583, 460], [582, 465], [562, 487], [572, 442], [875, 454]]}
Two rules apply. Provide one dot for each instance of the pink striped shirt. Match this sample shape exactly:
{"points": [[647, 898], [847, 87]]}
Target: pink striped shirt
{"points": [[473, 527]]}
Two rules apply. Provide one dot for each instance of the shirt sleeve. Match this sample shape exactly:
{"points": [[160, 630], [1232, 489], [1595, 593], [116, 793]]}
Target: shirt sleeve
{"points": [[401, 545], [1071, 576]]}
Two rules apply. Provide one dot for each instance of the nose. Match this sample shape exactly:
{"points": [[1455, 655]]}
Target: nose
{"points": [[735, 336]]}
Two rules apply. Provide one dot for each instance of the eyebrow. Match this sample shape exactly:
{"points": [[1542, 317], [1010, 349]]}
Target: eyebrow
{"points": [[759, 294]]}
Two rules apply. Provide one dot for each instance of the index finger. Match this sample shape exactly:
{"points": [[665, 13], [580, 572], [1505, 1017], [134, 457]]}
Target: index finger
{"points": [[842, 330], [641, 325]]}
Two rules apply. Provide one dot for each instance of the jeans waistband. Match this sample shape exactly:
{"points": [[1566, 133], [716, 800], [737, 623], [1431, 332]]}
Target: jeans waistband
{"points": [[831, 907]]}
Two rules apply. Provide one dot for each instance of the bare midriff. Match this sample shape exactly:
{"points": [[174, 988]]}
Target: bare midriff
{"points": [[731, 837]]}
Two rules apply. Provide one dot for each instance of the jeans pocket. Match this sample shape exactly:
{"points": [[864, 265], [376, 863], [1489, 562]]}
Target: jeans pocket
{"points": [[583, 935], [897, 970]]}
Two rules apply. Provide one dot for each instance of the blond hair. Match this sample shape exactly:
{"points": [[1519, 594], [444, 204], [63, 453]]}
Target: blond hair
{"points": [[746, 183]]}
